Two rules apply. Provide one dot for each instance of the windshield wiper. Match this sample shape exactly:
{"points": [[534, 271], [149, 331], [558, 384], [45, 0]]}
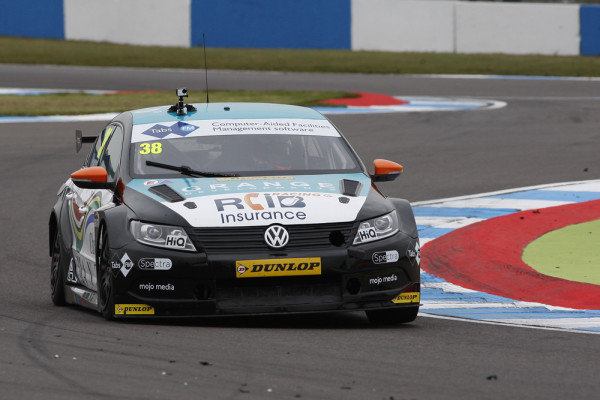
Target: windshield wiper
{"points": [[184, 169]]}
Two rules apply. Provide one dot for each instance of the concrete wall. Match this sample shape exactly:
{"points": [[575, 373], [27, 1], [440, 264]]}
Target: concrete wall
{"points": [[139, 22], [463, 27], [517, 28], [392, 25], [384, 25]]}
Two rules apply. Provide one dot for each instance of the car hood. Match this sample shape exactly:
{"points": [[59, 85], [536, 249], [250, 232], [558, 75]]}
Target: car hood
{"points": [[260, 201]]}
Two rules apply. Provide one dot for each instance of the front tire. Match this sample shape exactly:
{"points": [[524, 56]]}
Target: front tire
{"points": [[392, 316], [106, 302], [57, 273]]}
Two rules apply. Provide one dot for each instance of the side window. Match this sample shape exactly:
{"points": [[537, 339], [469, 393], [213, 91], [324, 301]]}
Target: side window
{"points": [[110, 158], [99, 144]]}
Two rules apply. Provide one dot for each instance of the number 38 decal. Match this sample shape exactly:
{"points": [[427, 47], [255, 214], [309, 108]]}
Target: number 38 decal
{"points": [[147, 148]]}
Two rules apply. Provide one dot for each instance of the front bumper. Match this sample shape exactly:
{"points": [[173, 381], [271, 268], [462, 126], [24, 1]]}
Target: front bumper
{"points": [[166, 283]]}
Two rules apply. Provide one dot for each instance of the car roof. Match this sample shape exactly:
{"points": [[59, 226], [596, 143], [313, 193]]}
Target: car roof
{"points": [[226, 111]]}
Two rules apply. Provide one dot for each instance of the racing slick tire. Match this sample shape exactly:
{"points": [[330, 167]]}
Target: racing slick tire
{"points": [[106, 297], [57, 273], [392, 316]]}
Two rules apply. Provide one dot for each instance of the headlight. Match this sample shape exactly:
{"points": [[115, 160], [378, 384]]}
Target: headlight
{"points": [[377, 228], [169, 237]]}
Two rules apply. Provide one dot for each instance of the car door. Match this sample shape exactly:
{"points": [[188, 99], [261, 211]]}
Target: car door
{"points": [[83, 203]]}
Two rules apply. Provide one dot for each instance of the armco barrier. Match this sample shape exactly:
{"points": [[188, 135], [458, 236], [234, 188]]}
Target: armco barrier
{"points": [[291, 24], [590, 30], [32, 18], [385, 25]]}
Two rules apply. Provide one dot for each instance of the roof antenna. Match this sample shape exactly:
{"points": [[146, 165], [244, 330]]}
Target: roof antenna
{"points": [[205, 65]]}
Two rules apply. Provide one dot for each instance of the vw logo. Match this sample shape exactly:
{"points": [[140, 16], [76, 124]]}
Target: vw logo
{"points": [[276, 236]]}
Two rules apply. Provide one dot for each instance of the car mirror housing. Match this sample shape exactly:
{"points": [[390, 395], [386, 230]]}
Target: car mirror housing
{"points": [[385, 170], [91, 178]]}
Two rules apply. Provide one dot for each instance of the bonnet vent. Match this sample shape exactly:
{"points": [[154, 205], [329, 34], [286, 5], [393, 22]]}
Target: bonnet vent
{"points": [[167, 193], [350, 188]]}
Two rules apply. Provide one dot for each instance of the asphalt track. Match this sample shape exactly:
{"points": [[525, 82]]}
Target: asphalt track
{"points": [[547, 133]]}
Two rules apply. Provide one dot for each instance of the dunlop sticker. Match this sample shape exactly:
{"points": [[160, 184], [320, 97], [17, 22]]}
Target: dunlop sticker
{"points": [[133, 309], [278, 267], [408, 297]]}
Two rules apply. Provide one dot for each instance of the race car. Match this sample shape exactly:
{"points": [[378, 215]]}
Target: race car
{"points": [[231, 209]]}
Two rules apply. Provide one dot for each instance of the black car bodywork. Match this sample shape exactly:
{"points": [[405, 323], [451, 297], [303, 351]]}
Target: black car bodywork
{"points": [[131, 236]]}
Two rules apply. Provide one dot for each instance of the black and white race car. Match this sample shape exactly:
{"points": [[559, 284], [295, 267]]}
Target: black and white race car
{"points": [[231, 209]]}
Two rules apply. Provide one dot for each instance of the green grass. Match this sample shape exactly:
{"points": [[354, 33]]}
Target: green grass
{"points": [[79, 103], [58, 52]]}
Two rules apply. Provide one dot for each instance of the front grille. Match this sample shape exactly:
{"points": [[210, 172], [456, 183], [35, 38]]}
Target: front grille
{"points": [[278, 291], [248, 239]]}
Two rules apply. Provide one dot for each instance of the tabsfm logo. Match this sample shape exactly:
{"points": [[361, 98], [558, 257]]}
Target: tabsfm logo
{"points": [[161, 131], [124, 264], [278, 267], [414, 253], [158, 264], [133, 309], [384, 257]]}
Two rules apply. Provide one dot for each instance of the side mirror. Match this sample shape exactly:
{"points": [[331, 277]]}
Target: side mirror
{"points": [[91, 178], [385, 170]]}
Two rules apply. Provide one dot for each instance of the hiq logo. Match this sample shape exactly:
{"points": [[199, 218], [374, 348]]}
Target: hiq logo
{"points": [[175, 241]]}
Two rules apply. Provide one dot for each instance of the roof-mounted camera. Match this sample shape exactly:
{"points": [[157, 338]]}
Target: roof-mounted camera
{"points": [[179, 107]]}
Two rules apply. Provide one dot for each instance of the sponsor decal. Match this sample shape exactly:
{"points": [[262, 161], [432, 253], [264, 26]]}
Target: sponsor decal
{"points": [[236, 127], [85, 271], [71, 277], [318, 187], [278, 267], [175, 242], [253, 178], [258, 206], [160, 131], [133, 309], [384, 257], [367, 235], [383, 279], [80, 221], [156, 287], [124, 264], [407, 297], [155, 264], [414, 253], [153, 182], [247, 202]]}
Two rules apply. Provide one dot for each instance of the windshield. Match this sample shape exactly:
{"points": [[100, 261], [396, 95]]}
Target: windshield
{"points": [[246, 154]]}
